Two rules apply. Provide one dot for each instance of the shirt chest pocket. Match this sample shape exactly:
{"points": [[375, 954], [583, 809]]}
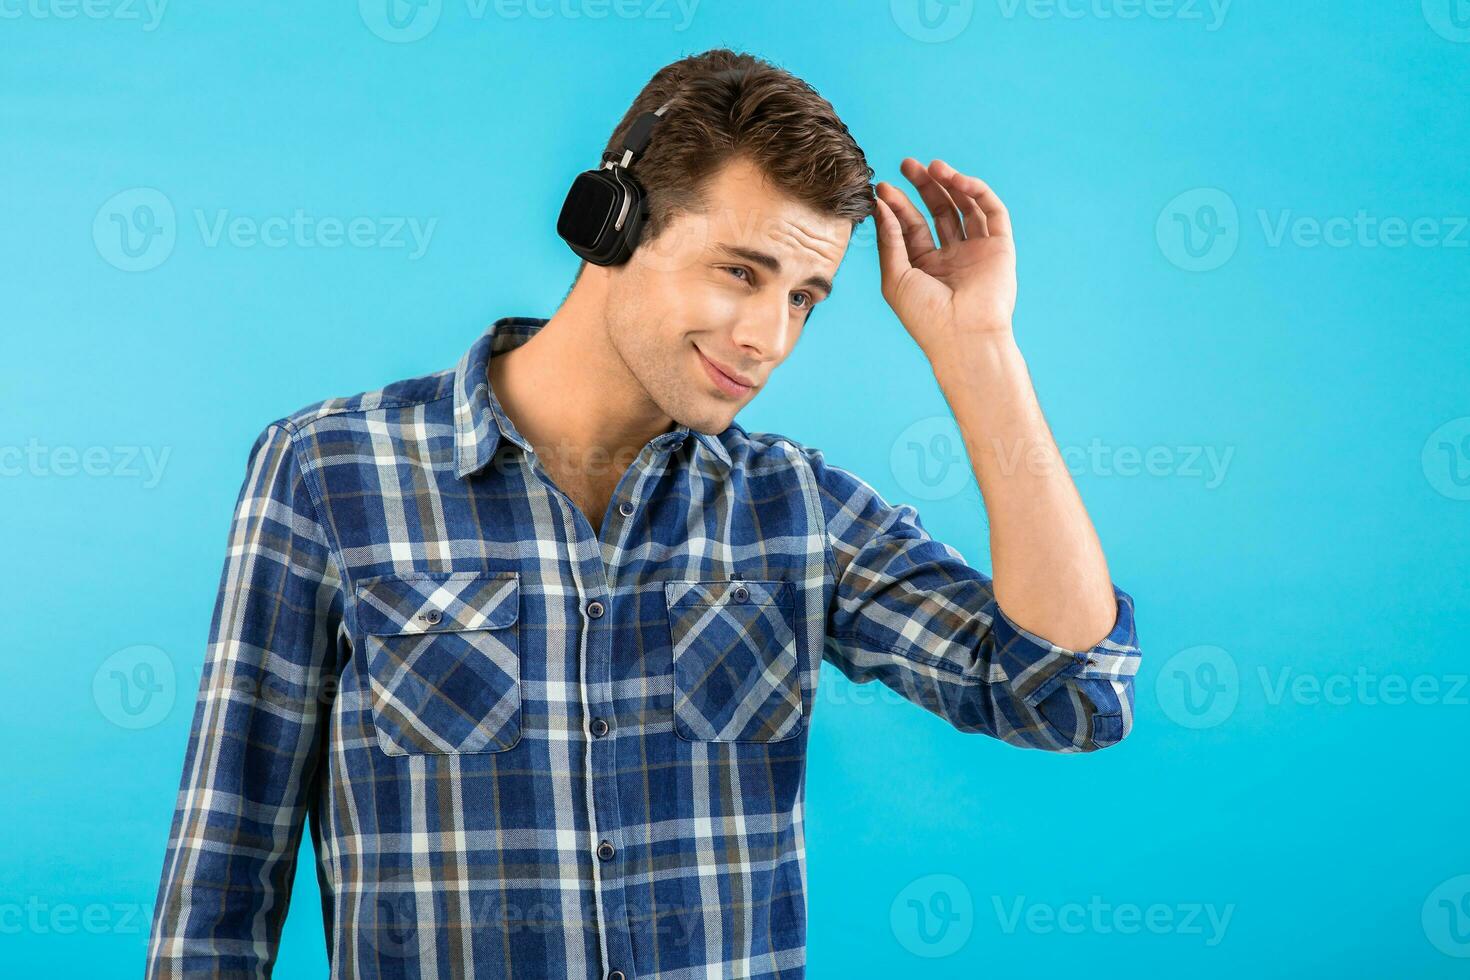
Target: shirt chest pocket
{"points": [[443, 661], [737, 673]]}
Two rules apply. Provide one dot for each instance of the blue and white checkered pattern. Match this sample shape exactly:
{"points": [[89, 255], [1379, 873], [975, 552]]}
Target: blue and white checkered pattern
{"points": [[527, 749]]}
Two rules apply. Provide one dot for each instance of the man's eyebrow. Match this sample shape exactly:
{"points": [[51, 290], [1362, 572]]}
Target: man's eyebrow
{"points": [[773, 265]]}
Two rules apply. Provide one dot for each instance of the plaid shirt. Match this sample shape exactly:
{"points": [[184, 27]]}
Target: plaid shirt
{"points": [[527, 749]]}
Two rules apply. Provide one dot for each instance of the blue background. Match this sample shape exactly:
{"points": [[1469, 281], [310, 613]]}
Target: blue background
{"points": [[1331, 383]]}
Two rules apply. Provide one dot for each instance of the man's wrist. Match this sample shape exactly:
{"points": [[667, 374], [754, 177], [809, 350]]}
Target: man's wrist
{"points": [[978, 359]]}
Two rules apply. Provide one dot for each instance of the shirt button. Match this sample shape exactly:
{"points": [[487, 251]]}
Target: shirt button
{"points": [[605, 850], [594, 609], [599, 727], [741, 593], [626, 509], [615, 975], [431, 616]]}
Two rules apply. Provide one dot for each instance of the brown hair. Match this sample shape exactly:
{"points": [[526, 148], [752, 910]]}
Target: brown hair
{"points": [[724, 104]]}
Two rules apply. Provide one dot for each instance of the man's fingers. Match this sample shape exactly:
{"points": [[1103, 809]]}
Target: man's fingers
{"points": [[946, 216], [893, 257], [997, 218], [977, 225], [914, 228]]}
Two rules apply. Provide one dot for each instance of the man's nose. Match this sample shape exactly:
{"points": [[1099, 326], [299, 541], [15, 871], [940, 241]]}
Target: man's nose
{"points": [[765, 331]]}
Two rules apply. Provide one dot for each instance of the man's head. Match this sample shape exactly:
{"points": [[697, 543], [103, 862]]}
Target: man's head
{"points": [[754, 188]]}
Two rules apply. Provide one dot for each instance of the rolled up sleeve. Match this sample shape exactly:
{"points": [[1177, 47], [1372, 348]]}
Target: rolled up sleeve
{"points": [[907, 610]]}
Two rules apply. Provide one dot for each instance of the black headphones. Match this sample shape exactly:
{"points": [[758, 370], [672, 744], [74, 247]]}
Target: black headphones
{"points": [[605, 208]]}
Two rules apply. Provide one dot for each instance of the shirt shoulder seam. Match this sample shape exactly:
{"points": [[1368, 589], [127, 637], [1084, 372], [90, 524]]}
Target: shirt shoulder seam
{"points": [[296, 426], [334, 548], [815, 511]]}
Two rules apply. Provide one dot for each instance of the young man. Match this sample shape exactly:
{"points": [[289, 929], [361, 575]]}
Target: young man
{"points": [[534, 642]]}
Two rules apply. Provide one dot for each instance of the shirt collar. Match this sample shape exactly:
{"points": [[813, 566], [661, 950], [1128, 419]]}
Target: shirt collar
{"points": [[480, 422]]}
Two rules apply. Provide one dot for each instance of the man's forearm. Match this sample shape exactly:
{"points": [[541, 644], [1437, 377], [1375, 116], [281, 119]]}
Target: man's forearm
{"points": [[1050, 574]]}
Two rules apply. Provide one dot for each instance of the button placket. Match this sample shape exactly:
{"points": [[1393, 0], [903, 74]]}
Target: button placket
{"points": [[602, 783]]}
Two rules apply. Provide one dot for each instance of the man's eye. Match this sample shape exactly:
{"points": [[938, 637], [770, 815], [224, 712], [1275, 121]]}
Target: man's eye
{"points": [[732, 269], [806, 297]]}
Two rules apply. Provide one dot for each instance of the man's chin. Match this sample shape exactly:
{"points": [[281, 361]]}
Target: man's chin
{"points": [[714, 418]]}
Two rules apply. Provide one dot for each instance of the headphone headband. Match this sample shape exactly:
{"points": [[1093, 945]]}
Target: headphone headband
{"points": [[604, 209]]}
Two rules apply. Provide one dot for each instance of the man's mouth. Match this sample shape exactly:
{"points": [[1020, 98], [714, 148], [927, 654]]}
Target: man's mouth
{"points": [[734, 386]]}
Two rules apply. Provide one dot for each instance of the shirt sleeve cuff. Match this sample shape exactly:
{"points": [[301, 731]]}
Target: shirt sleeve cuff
{"points": [[1036, 666]]}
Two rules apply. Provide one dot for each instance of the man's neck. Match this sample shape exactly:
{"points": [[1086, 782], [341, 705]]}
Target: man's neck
{"points": [[569, 393]]}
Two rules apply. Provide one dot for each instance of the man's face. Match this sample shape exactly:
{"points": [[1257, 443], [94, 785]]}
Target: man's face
{"points": [[702, 314]]}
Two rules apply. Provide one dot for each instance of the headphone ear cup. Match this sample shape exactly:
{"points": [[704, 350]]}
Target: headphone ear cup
{"points": [[590, 212], [632, 229]]}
